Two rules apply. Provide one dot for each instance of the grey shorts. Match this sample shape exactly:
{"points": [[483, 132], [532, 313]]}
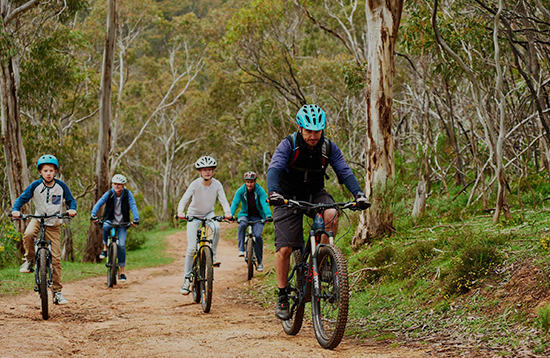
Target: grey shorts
{"points": [[289, 224]]}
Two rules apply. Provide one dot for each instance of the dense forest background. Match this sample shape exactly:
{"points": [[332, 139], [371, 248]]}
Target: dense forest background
{"points": [[469, 111]]}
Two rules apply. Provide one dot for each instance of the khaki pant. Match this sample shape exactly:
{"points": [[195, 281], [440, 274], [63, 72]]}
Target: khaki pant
{"points": [[53, 234]]}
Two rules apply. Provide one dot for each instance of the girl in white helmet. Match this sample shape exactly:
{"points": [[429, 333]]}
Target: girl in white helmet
{"points": [[204, 191]]}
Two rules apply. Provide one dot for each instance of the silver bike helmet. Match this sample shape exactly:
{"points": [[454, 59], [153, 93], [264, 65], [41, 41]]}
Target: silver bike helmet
{"points": [[119, 179], [206, 162]]}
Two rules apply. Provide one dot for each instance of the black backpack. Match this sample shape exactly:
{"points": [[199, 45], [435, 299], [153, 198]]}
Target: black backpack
{"points": [[326, 150]]}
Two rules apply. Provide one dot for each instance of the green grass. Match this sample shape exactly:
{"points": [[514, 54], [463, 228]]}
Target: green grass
{"points": [[447, 273], [151, 254]]}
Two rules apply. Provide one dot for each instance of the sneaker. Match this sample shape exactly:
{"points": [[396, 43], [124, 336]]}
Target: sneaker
{"points": [[260, 267], [27, 267], [282, 310], [185, 289], [215, 262], [122, 277], [58, 299], [241, 253], [103, 254]]}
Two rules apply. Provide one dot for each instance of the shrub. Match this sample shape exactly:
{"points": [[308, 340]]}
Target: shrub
{"points": [[381, 258], [135, 240], [474, 263], [543, 318], [9, 236]]}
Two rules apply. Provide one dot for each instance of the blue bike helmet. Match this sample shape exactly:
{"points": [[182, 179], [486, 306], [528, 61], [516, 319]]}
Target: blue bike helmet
{"points": [[47, 159], [311, 117]]}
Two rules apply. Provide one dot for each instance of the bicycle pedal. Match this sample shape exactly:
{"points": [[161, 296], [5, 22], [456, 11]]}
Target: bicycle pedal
{"points": [[36, 289]]}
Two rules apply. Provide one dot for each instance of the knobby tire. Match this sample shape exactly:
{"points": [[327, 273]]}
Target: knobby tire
{"points": [[207, 278], [43, 282], [297, 287], [196, 289], [330, 308], [250, 257], [112, 268]]}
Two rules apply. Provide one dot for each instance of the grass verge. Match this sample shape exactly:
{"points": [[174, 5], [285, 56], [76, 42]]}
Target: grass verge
{"points": [[151, 254]]}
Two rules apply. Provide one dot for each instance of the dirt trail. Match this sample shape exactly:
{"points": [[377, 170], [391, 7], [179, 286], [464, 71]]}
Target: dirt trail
{"points": [[148, 317]]}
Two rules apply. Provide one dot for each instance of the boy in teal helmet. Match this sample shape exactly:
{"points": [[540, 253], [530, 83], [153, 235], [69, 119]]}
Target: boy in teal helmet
{"points": [[49, 196]]}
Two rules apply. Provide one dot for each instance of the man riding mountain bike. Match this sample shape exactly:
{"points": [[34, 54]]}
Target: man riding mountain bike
{"points": [[297, 171]]}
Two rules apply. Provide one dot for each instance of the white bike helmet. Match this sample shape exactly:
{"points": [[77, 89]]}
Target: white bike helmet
{"points": [[206, 162], [119, 179]]}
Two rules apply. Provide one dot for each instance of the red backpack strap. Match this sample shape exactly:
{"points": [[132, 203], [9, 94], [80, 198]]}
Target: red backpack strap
{"points": [[295, 149]]}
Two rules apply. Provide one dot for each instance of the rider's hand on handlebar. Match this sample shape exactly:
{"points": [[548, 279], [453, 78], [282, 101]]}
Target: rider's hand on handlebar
{"points": [[361, 201], [269, 219], [135, 223], [276, 199], [229, 217], [71, 212], [181, 215], [94, 219], [16, 214]]}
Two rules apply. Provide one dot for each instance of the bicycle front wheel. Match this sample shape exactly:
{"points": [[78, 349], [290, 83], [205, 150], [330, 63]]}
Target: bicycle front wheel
{"points": [[250, 257], [207, 278], [43, 282], [330, 307], [195, 280], [111, 265], [297, 304]]}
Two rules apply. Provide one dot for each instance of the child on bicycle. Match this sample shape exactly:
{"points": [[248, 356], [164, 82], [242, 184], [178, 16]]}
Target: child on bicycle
{"points": [[253, 200], [204, 191], [49, 194], [118, 202]]}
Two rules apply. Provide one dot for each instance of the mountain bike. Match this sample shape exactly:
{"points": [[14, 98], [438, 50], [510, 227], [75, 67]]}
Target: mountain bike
{"points": [[112, 251], [250, 244], [319, 275], [43, 259], [202, 274]]}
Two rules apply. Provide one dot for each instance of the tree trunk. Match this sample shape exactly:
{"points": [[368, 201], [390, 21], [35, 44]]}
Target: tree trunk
{"points": [[383, 19], [94, 243], [14, 152]]}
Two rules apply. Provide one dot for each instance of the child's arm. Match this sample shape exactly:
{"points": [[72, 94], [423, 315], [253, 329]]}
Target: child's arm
{"points": [[185, 199], [133, 206], [236, 201], [24, 198], [69, 199], [223, 200], [100, 203]]}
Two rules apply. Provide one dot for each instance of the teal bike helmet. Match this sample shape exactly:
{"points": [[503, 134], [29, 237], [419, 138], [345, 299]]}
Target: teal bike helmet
{"points": [[311, 117], [47, 159]]}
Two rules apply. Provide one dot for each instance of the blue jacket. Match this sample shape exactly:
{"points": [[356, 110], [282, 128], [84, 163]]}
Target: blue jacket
{"points": [[241, 198], [110, 198]]}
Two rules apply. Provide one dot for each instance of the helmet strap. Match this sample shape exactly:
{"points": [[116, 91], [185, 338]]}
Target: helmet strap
{"points": [[47, 182]]}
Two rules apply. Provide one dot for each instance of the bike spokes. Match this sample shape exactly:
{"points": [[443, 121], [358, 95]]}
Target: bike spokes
{"points": [[330, 305]]}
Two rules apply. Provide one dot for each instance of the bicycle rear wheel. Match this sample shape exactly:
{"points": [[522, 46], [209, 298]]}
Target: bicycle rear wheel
{"points": [[207, 278], [330, 308], [250, 257], [43, 282], [111, 265], [297, 304]]}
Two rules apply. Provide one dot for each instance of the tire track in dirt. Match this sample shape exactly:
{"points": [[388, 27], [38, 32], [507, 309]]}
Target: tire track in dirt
{"points": [[148, 317]]}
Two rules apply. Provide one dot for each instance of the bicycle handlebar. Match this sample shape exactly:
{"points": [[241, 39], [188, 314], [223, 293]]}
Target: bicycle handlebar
{"points": [[262, 221], [43, 216], [123, 224], [205, 220], [304, 205]]}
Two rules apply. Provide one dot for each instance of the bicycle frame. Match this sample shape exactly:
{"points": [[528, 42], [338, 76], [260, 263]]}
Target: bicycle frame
{"points": [[308, 250], [42, 244]]}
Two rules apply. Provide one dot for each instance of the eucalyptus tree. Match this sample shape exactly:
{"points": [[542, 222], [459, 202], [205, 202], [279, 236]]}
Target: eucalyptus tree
{"points": [[22, 23], [370, 37]]}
